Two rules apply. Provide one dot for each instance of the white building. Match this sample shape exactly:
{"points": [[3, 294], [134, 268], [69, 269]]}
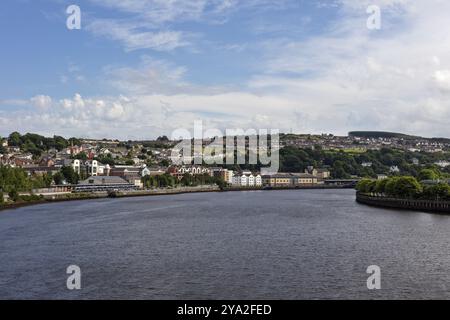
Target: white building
{"points": [[251, 180], [236, 181], [92, 167], [258, 181], [76, 166], [243, 180], [442, 163], [394, 169]]}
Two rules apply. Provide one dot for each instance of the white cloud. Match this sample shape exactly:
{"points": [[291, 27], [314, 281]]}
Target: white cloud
{"points": [[133, 37], [395, 79], [442, 78], [41, 101]]}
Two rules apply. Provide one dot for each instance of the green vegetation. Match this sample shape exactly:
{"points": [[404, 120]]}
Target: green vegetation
{"points": [[17, 179], [36, 144], [166, 180], [380, 134], [343, 164], [160, 181]]}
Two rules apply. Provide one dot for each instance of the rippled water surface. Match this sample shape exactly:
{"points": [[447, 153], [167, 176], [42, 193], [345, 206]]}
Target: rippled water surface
{"points": [[297, 244]]}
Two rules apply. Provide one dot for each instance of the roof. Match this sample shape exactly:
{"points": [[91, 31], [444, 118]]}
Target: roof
{"points": [[103, 180]]}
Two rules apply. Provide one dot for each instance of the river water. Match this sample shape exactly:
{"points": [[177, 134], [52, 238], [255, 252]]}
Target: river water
{"points": [[298, 244]]}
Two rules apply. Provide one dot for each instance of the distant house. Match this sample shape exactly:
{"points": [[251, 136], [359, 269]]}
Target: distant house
{"points": [[442, 163], [290, 180], [381, 176], [305, 179], [47, 162], [278, 180], [319, 173], [157, 171], [394, 169], [224, 174]]}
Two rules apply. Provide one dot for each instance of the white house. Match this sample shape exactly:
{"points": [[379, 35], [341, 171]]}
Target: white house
{"points": [[258, 181], [236, 181], [394, 169], [251, 180], [92, 167], [244, 180], [442, 163], [76, 166]]}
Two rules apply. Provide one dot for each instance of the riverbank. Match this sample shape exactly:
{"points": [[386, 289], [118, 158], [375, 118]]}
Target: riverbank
{"points": [[155, 192], [442, 207]]}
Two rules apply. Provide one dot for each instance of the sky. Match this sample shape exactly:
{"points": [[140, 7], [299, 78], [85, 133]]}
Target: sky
{"points": [[138, 69]]}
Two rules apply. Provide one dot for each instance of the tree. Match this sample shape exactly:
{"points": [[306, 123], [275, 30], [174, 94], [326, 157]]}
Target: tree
{"points": [[362, 185], [436, 192], [338, 170], [58, 178], [70, 175], [165, 163], [366, 186], [13, 195], [81, 156], [2, 200], [381, 186], [428, 174], [163, 139], [14, 139], [14, 179], [407, 187], [389, 188]]}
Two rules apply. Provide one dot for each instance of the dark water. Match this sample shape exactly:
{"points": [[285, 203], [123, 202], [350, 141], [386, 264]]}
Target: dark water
{"points": [[240, 245]]}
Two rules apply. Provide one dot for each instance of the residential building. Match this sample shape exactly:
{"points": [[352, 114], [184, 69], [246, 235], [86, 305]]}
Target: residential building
{"points": [[289, 180], [305, 179], [258, 180], [319, 173]]}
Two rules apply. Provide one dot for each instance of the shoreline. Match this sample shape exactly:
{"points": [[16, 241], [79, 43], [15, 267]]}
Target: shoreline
{"points": [[149, 193], [429, 206]]}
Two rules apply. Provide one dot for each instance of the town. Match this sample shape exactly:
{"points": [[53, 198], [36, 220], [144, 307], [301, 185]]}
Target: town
{"points": [[55, 166]]}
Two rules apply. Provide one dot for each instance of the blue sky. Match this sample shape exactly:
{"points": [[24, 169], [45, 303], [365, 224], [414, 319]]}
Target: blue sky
{"points": [[138, 69]]}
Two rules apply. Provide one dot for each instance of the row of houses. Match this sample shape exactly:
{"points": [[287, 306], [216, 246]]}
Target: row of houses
{"points": [[290, 180]]}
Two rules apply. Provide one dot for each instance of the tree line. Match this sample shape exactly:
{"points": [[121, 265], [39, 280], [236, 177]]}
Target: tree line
{"points": [[404, 187]]}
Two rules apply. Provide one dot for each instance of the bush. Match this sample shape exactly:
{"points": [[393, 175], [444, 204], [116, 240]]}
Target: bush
{"points": [[366, 186], [29, 198], [428, 174], [2, 200], [407, 187], [381, 186], [363, 185], [13, 195], [436, 192]]}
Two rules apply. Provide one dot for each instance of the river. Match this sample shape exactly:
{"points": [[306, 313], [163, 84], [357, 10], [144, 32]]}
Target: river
{"points": [[293, 244]]}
